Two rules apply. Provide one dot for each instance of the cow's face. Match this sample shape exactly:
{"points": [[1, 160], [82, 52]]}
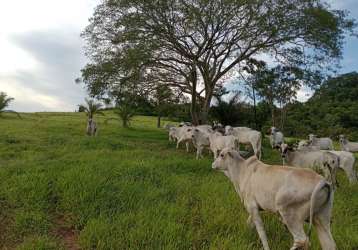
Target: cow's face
{"points": [[342, 139], [284, 149], [273, 130], [223, 160], [229, 130], [195, 133]]}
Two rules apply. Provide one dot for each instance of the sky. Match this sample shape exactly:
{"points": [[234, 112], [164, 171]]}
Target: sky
{"points": [[41, 52]]}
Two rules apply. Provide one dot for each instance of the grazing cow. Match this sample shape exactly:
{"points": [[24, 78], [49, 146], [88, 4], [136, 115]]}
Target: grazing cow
{"points": [[276, 137], [305, 145], [295, 194], [91, 127], [347, 145], [327, 162], [324, 143], [346, 160], [168, 126], [200, 138], [173, 134], [205, 128], [246, 136], [182, 124], [183, 134], [218, 142]]}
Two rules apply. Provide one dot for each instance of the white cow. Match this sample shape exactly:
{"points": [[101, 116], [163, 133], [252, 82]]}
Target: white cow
{"points": [[276, 137], [324, 143], [347, 145], [295, 194], [305, 145], [324, 161], [246, 136], [218, 142], [184, 135], [200, 138], [173, 134], [346, 160]]}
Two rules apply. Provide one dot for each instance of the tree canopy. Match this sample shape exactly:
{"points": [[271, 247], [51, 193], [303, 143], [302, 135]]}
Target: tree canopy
{"points": [[194, 45]]}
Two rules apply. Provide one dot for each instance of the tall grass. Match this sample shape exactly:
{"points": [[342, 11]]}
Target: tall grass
{"points": [[128, 189]]}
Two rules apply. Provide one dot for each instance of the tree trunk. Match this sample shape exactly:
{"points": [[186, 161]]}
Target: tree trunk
{"points": [[194, 105], [194, 110], [158, 121], [273, 117], [255, 112], [206, 108]]}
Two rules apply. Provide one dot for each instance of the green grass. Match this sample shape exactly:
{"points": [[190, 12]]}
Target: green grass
{"points": [[128, 189]]}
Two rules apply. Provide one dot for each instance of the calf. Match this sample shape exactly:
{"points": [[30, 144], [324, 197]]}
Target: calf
{"points": [[295, 194]]}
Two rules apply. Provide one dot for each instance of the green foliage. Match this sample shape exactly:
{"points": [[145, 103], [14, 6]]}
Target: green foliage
{"points": [[331, 111], [129, 189], [91, 108], [5, 102]]}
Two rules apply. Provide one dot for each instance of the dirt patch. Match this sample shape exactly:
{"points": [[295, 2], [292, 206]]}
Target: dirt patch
{"points": [[67, 235]]}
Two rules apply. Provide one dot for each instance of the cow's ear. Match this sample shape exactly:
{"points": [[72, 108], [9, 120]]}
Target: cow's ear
{"points": [[277, 147]]}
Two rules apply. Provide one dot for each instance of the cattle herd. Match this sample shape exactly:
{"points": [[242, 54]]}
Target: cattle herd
{"points": [[291, 190]]}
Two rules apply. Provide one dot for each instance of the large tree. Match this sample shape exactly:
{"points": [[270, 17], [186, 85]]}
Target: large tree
{"points": [[200, 42]]}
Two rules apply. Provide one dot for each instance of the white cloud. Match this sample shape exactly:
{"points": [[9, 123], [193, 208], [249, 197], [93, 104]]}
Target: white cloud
{"points": [[42, 53]]}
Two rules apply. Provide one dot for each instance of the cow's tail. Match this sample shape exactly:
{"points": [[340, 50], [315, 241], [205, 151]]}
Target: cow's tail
{"points": [[322, 184]]}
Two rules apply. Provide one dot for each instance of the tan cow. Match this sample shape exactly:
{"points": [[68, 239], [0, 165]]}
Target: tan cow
{"points": [[293, 193]]}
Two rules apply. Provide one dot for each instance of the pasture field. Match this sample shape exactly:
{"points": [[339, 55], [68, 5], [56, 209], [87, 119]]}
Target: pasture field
{"points": [[128, 189]]}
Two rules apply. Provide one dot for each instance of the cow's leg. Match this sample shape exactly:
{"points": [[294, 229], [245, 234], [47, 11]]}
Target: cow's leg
{"points": [[215, 154], [187, 146], [249, 222], [259, 227], [322, 222], [178, 142], [295, 225], [198, 153]]}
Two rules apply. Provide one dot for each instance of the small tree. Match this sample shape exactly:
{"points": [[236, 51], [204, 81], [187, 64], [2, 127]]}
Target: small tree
{"points": [[91, 108], [126, 113], [5, 102]]}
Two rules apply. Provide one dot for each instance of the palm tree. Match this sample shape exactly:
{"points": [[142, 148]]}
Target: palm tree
{"points": [[4, 103], [125, 113], [91, 108]]}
